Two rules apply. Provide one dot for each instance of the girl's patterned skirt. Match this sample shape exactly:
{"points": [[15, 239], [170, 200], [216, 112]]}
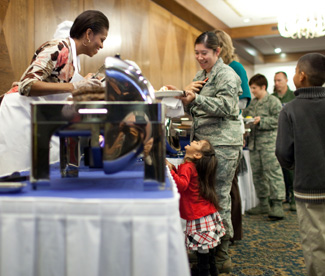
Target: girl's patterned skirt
{"points": [[204, 233]]}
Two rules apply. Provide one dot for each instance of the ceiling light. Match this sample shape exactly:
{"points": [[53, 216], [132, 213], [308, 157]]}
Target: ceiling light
{"points": [[277, 50], [304, 23], [246, 20]]}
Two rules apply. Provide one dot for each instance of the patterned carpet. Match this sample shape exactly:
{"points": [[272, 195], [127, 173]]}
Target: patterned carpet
{"points": [[268, 247]]}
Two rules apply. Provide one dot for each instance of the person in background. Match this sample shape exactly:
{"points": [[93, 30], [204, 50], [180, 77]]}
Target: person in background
{"points": [[212, 100], [281, 88], [52, 75], [285, 95], [300, 145], [267, 173], [199, 203], [227, 53]]}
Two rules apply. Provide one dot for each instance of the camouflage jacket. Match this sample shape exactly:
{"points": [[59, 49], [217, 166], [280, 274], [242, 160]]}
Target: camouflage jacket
{"points": [[215, 110], [288, 96], [264, 134]]}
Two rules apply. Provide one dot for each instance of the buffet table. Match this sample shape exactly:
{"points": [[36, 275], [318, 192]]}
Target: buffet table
{"points": [[94, 225]]}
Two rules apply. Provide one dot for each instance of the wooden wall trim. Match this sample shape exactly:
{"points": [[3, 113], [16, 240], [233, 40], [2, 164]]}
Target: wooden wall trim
{"points": [[193, 13], [257, 30], [276, 58]]}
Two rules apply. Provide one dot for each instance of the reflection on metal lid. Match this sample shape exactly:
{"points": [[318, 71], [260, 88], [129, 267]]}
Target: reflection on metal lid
{"points": [[92, 111], [125, 82]]}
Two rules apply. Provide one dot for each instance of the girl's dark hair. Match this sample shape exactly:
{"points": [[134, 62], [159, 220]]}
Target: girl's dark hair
{"points": [[209, 40], [206, 168], [90, 19]]}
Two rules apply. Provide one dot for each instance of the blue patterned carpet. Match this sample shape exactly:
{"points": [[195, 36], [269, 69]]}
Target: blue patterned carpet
{"points": [[269, 247]]}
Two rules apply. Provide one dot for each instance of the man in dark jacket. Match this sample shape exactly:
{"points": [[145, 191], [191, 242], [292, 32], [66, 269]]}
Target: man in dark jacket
{"points": [[300, 145]]}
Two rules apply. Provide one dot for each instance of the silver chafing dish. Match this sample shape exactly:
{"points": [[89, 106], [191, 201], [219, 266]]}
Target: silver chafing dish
{"points": [[129, 119]]}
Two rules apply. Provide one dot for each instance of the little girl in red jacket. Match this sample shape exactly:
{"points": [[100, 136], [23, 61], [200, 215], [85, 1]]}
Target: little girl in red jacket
{"points": [[195, 180]]}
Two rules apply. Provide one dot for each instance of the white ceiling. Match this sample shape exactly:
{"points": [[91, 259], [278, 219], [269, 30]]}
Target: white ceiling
{"points": [[260, 12], [233, 12]]}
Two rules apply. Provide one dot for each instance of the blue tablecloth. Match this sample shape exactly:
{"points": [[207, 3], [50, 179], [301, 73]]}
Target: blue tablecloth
{"points": [[94, 183]]}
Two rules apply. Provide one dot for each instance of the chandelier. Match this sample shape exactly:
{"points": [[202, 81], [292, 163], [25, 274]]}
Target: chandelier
{"points": [[308, 24]]}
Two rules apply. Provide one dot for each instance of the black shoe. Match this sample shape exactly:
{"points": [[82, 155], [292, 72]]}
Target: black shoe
{"points": [[212, 261], [203, 264]]}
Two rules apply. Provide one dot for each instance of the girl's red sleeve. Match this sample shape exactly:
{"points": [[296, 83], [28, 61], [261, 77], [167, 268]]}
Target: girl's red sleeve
{"points": [[182, 176]]}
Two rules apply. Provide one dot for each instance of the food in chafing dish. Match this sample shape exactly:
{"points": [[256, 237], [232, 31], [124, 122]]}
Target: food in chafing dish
{"points": [[89, 94]]}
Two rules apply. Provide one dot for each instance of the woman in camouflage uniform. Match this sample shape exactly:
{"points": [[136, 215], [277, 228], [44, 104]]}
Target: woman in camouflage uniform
{"points": [[213, 104]]}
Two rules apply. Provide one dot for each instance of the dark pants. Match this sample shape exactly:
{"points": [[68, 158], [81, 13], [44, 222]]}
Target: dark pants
{"points": [[288, 180], [236, 212]]}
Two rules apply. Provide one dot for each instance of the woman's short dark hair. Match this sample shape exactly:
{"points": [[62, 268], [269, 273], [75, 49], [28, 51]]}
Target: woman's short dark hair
{"points": [[209, 40], [259, 80], [90, 19]]}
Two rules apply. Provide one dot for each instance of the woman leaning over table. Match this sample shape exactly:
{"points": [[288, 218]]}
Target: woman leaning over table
{"points": [[52, 75], [214, 108]]}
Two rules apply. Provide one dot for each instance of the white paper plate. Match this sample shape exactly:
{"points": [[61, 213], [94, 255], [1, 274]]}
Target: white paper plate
{"points": [[11, 187], [249, 120], [168, 93]]}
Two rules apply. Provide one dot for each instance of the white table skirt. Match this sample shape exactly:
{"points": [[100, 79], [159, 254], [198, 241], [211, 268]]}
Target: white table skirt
{"points": [[246, 186], [76, 237]]}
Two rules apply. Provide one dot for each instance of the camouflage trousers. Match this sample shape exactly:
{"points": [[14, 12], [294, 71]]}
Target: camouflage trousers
{"points": [[228, 159], [267, 174]]}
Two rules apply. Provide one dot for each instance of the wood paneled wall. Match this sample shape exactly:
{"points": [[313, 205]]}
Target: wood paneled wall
{"points": [[140, 30]]}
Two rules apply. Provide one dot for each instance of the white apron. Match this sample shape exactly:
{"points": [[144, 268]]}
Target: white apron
{"points": [[15, 128], [15, 132]]}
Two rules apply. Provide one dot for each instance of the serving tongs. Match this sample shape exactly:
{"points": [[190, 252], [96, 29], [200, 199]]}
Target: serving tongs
{"points": [[100, 70]]}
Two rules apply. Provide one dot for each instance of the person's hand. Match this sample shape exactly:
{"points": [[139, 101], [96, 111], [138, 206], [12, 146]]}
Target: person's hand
{"points": [[86, 83], [98, 76], [15, 83], [188, 98], [257, 119], [171, 87], [89, 76], [147, 147], [169, 165], [195, 86]]}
